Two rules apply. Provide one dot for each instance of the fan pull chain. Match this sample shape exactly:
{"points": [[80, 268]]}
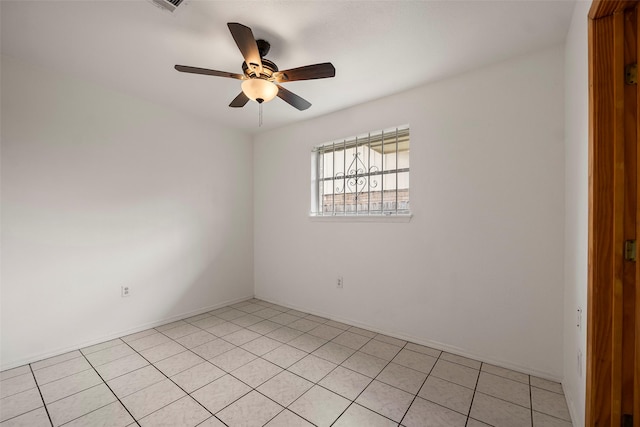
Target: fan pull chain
{"points": [[260, 115]]}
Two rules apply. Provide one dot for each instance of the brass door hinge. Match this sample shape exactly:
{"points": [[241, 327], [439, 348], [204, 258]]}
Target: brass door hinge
{"points": [[630, 250], [631, 74]]}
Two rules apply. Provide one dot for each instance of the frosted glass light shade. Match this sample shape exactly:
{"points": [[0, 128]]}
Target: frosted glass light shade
{"points": [[259, 90]]}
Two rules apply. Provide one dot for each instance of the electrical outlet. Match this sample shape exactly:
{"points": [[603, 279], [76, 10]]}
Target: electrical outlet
{"points": [[124, 291], [339, 283]]}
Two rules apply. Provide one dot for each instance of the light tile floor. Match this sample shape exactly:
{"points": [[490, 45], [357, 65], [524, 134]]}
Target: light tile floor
{"points": [[259, 364]]}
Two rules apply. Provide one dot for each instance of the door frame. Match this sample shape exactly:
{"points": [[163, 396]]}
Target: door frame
{"points": [[606, 202]]}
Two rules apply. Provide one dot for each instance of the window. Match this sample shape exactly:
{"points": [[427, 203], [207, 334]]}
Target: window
{"points": [[362, 176]]}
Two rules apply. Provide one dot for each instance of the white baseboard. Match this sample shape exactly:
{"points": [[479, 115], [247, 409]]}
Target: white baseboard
{"points": [[62, 350], [572, 407], [429, 343]]}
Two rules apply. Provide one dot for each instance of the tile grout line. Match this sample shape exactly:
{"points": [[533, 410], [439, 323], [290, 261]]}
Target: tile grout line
{"points": [[256, 388], [110, 361], [67, 376], [544, 389], [422, 385], [25, 413], [507, 401], [81, 354], [199, 424], [72, 394], [317, 383], [102, 349], [370, 382], [531, 400], [40, 392], [262, 394], [451, 382], [373, 379], [259, 392], [208, 360], [168, 378], [145, 349], [114, 395], [76, 393], [18, 392], [135, 370], [228, 373], [314, 384], [152, 364], [64, 377], [473, 396], [54, 364], [188, 394], [281, 343]]}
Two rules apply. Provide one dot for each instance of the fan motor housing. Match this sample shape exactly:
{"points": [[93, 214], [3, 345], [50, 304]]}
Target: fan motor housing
{"points": [[268, 68]]}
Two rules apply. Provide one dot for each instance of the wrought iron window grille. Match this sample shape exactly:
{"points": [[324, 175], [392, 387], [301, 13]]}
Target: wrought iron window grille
{"points": [[365, 175]]}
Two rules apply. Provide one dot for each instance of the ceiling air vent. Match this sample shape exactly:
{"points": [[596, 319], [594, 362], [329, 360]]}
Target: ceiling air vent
{"points": [[170, 5]]}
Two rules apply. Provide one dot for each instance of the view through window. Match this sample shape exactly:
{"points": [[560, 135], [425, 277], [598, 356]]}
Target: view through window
{"points": [[363, 175]]}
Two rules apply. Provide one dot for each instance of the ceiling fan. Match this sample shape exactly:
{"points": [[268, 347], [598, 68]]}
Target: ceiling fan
{"points": [[261, 77]]}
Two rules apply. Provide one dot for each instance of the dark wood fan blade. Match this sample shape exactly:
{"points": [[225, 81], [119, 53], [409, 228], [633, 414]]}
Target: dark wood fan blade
{"points": [[247, 44], [293, 99], [239, 101], [309, 72], [205, 71]]}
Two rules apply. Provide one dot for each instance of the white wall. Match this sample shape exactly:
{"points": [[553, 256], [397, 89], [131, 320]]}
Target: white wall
{"points": [[101, 190], [576, 209], [479, 269]]}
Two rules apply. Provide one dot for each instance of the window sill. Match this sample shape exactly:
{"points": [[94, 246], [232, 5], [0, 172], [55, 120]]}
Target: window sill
{"points": [[361, 218]]}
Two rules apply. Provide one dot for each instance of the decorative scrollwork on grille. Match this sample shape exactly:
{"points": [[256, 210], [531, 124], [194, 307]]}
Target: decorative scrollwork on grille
{"points": [[358, 178]]}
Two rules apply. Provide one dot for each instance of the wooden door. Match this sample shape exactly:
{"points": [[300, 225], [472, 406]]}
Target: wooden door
{"points": [[613, 328]]}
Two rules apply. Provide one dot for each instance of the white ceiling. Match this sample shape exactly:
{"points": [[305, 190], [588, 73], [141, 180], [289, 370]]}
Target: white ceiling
{"points": [[377, 47]]}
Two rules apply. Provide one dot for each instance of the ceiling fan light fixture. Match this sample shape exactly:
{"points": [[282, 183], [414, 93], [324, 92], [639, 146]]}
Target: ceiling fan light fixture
{"points": [[260, 90], [261, 78]]}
